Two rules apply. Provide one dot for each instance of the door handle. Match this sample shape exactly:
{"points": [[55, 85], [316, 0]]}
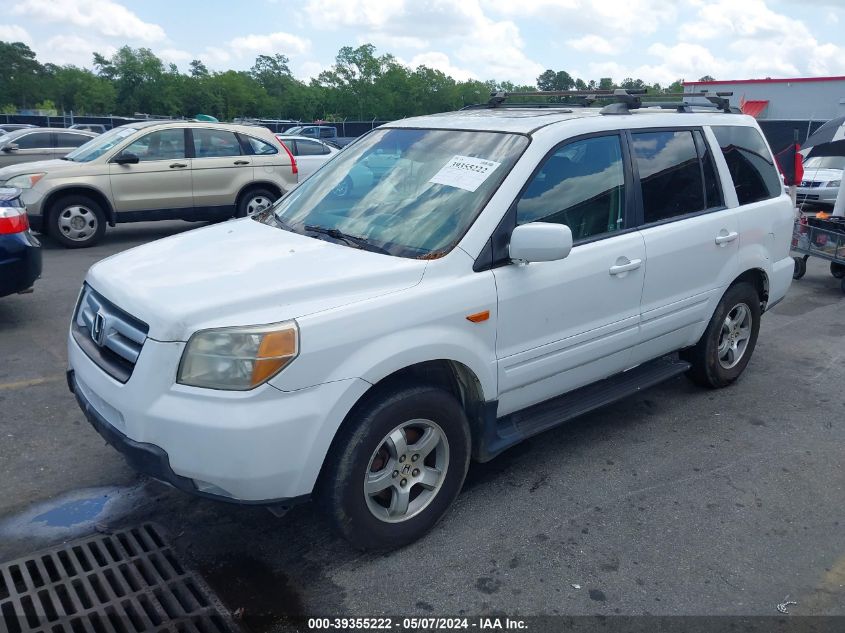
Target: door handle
{"points": [[633, 264], [178, 165], [727, 237], [241, 162]]}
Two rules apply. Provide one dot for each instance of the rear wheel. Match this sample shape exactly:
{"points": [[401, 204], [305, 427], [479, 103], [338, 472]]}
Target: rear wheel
{"points": [[800, 267], [837, 270], [255, 201], [725, 348], [396, 467], [76, 221]]}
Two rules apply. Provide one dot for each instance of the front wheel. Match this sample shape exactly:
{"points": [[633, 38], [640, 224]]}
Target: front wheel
{"points": [[395, 467], [837, 270], [800, 267], [725, 348], [76, 221]]}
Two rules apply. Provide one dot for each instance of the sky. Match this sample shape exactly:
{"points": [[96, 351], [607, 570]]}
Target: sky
{"points": [[514, 40]]}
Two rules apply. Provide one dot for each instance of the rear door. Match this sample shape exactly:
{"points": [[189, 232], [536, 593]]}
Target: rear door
{"points": [[270, 162], [221, 168], [159, 185], [691, 238]]}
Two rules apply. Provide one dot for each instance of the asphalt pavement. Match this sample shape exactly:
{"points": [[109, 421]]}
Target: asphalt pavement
{"points": [[678, 501]]}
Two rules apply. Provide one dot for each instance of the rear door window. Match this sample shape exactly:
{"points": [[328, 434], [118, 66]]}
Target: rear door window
{"points": [[670, 174], [215, 143], [750, 163]]}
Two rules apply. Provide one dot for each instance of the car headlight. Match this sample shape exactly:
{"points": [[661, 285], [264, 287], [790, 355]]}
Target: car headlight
{"points": [[834, 183], [238, 358], [24, 181]]}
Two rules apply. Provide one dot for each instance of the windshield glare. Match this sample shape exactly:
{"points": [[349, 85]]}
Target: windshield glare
{"points": [[825, 162], [411, 193], [101, 144]]}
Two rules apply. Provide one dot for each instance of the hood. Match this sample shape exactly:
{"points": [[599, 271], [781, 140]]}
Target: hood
{"points": [[243, 272], [48, 166], [822, 175]]}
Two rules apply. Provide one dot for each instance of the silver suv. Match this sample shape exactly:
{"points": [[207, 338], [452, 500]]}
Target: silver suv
{"points": [[153, 171]]}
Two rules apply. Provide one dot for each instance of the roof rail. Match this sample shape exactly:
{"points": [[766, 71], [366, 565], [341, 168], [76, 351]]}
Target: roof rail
{"points": [[625, 100]]}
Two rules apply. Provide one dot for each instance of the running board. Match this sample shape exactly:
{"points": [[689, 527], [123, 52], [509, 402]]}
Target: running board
{"points": [[502, 433]]}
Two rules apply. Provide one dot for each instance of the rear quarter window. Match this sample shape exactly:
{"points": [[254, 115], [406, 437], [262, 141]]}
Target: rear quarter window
{"points": [[750, 163]]}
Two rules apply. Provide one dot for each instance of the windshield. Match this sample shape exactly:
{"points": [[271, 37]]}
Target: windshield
{"points": [[293, 130], [411, 193], [99, 145], [825, 162]]}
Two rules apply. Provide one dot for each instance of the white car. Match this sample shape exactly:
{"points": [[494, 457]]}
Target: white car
{"points": [[822, 177], [512, 268]]}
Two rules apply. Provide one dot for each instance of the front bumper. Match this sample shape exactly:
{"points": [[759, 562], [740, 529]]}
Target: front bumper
{"points": [[259, 446], [817, 195], [20, 262]]}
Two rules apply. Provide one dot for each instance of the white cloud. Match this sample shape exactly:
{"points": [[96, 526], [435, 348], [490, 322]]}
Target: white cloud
{"points": [[438, 61], [593, 44], [104, 17], [72, 49], [176, 56], [14, 33], [270, 44]]}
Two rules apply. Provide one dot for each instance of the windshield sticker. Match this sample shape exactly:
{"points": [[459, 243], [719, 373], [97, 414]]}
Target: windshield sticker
{"points": [[465, 172]]}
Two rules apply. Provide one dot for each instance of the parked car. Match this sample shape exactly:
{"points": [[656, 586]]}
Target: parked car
{"points": [[97, 128], [153, 171], [20, 251], [326, 133], [513, 268], [43, 143], [5, 128], [312, 154], [822, 177]]}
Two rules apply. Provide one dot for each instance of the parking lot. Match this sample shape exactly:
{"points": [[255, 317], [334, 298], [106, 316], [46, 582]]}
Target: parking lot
{"points": [[675, 501]]}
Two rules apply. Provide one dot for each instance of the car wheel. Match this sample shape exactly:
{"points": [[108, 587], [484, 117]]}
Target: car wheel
{"points": [[800, 268], [396, 466], [255, 201], [837, 270], [725, 348], [343, 189], [77, 221]]}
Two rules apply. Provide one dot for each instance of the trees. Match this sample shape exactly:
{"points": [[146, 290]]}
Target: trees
{"points": [[362, 84]]}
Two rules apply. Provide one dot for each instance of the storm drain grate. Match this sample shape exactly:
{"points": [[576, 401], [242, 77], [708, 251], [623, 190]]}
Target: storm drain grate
{"points": [[125, 582]]}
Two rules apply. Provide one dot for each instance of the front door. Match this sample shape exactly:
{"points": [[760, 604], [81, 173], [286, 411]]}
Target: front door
{"points": [[159, 184], [221, 169], [567, 323]]}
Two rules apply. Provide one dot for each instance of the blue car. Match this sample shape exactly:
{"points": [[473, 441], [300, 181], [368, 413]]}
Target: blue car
{"points": [[20, 252]]}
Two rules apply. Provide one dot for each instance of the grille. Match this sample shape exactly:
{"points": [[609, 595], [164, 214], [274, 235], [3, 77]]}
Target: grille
{"points": [[126, 582], [109, 336], [808, 196]]}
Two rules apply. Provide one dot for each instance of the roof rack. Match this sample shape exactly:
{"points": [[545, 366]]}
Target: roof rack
{"points": [[625, 100]]}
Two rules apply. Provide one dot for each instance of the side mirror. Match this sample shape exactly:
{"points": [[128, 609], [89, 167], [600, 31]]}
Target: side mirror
{"points": [[11, 147], [127, 159], [540, 242]]}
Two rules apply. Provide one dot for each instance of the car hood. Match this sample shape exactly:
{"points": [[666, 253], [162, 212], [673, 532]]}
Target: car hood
{"points": [[48, 166], [822, 175], [243, 272]]}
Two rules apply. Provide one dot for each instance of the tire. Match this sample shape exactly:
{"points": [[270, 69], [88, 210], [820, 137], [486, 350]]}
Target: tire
{"points": [[842, 285], [254, 200], [76, 221], [378, 520], [837, 270], [723, 351], [800, 267], [343, 189]]}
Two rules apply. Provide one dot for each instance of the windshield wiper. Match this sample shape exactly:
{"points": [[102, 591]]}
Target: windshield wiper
{"points": [[354, 240]]}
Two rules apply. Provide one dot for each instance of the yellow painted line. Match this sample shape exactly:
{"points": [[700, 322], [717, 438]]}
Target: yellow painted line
{"points": [[23, 384], [829, 593]]}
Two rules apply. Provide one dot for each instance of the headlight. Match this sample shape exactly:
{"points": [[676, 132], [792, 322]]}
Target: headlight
{"points": [[24, 181], [238, 358], [834, 183]]}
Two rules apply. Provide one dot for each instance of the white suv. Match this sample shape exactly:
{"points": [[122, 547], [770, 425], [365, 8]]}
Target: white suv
{"points": [[513, 268]]}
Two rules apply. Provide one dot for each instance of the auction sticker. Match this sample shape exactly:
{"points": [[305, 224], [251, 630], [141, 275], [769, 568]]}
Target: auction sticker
{"points": [[465, 172]]}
